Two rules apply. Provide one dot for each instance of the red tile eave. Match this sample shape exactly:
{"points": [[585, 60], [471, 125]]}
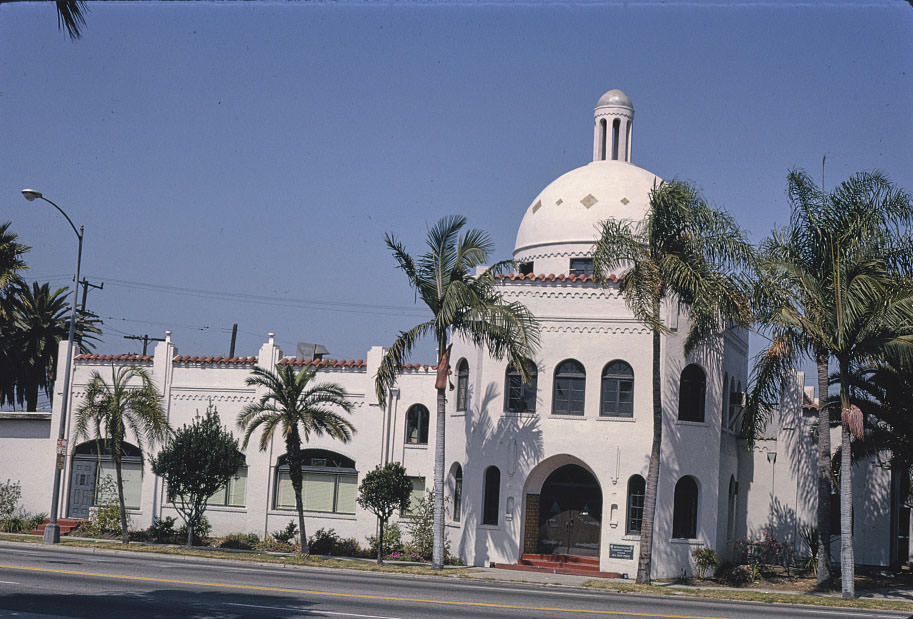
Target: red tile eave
{"points": [[551, 277], [324, 363], [215, 360], [125, 358]]}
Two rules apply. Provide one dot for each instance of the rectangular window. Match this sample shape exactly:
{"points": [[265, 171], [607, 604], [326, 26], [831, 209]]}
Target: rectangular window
{"points": [[233, 493], [132, 475], [635, 511], [581, 266], [569, 395], [417, 496], [320, 492]]}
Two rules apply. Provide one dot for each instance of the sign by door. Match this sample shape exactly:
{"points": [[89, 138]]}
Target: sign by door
{"points": [[621, 551], [61, 447], [60, 459]]}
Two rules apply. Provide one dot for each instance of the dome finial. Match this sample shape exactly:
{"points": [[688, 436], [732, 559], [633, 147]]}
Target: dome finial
{"points": [[614, 120]]}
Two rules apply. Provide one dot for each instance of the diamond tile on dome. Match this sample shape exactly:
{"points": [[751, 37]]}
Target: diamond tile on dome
{"points": [[625, 201], [559, 202], [537, 205], [588, 200]]}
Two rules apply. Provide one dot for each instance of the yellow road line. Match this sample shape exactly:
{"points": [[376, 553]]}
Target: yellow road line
{"points": [[363, 596]]}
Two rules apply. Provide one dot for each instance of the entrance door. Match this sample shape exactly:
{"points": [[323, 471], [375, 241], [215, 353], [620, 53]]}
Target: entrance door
{"points": [[82, 488], [570, 513]]}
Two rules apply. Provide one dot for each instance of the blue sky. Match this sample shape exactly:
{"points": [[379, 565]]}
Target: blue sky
{"points": [[241, 162]]}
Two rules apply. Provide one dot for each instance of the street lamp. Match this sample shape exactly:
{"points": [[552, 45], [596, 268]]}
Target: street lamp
{"points": [[52, 530]]}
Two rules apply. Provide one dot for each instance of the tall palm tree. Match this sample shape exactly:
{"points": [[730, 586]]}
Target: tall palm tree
{"points": [[682, 252], [835, 287], [465, 305], [793, 279], [39, 320], [11, 252], [130, 402], [70, 16], [299, 409]]}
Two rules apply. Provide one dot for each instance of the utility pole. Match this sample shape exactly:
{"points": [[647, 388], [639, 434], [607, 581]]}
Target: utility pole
{"points": [[145, 340], [234, 337], [86, 284]]}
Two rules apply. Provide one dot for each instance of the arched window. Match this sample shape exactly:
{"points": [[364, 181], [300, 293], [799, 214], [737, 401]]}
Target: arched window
{"points": [[570, 388], [457, 492], [628, 141], [637, 489], [329, 482], [684, 509], [615, 128], [462, 389], [417, 425], [724, 414], [733, 495], [520, 397], [617, 393], [491, 495], [733, 399], [603, 131], [691, 391]]}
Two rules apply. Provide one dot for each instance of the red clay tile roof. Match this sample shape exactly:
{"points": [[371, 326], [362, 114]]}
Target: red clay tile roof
{"points": [[808, 404], [551, 277], [323, 363], [218, 360], [415, 367], [128, 358]]}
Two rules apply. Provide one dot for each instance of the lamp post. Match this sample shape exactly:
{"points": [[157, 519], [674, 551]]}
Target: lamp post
{"points": [[52, 530]]}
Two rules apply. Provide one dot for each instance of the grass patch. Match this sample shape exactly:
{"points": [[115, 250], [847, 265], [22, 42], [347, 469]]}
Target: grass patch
{"points": [[21, 537], [752, 596], [262, 557]]}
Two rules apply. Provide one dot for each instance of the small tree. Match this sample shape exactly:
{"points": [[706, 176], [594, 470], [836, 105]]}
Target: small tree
{"points": [[383, 491], [197, 461], [10, 493], [420, 526]]}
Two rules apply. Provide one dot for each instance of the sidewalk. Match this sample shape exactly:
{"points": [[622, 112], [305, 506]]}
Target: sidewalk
{"points": [[899, 594]]}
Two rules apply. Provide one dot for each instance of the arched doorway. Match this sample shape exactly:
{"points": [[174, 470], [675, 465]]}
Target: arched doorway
{"points": [[92, 464], [570, 513]]}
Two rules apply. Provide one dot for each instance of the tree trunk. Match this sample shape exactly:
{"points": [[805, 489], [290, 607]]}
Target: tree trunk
{"points": [[293, 456], [644, 565], [31, 399], [847, 560], [124, 534], [824, 476], [437, 553], [380, 542], [190, 532]]}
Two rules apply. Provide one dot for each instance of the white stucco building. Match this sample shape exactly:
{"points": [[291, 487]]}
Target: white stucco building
{"points": [[552, 467]]}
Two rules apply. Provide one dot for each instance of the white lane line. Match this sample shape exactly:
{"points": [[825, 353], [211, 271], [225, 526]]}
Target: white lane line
{"points": [[8, 582], [312, 612]]}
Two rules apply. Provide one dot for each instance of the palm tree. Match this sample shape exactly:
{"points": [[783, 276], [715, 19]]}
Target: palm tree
{"points": [[299, 409], [835, 287], [465, 305], [38, 322], [682, 252], [11, 253], [70, 16], [793, 278], [130, 402]]}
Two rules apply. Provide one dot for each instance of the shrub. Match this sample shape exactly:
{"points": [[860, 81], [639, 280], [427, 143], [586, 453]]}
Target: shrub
{"points": [[103, 521], [348, 547], [393, 540], [238, 541], [705, 560], [200, 532], [287, 535], [162, 531], [10, 493], [270, 544], [323, 542], [739, 575]]}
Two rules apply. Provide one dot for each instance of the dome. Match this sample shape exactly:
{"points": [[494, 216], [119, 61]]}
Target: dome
{"points": [[615, 97], [565, 215]]}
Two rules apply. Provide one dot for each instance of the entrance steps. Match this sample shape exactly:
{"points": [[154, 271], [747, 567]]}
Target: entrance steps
{"points": [[66, 525], [574, 565]]}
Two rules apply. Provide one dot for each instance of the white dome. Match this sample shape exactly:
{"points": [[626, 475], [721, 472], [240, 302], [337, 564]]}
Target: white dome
{"points": [[565, 215], [615, 97]]}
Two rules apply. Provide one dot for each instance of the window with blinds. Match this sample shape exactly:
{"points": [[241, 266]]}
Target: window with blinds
{"points": [[331, 492], [132, 475], [234, 492]]}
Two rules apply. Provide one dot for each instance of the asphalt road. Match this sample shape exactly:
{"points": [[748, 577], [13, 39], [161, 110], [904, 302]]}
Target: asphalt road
{"points": [[38, 581]]}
